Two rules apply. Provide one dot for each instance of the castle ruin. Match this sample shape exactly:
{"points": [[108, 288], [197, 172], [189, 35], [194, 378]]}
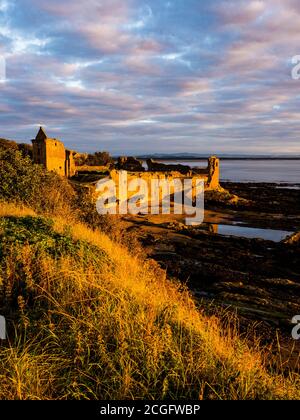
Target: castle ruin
{"points": [[51, 153], [210, 175]]}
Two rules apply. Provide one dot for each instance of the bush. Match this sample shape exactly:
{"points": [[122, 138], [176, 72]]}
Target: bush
{"points": [[8, 144], [23, 182], [29, 184]]}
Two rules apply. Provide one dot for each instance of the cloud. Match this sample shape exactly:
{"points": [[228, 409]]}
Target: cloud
{"points": [[137, 76]]}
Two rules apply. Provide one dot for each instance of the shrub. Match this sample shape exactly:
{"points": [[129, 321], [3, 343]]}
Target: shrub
{"points": [[29, 184], [23, 182]]}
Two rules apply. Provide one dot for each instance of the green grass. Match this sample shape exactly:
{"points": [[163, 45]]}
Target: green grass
{"points": [[38, 232], [88, 320]]}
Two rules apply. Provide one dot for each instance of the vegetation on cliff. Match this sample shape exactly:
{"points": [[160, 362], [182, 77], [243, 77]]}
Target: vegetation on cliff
{"points": [[87, 319]]}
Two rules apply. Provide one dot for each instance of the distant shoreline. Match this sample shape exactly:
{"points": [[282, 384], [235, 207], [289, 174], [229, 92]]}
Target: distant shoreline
{"points": [[220, 157]]}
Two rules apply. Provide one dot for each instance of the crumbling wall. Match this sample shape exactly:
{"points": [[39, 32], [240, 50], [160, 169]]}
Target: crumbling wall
{"points": [[150, 176], [55, 156], [209, 175], [39, 152], [213, 181], [70, 169]]}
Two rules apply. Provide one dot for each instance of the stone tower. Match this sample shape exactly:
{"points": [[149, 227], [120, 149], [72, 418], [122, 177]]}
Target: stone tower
{"points": [[51, 153], [213, 172]]}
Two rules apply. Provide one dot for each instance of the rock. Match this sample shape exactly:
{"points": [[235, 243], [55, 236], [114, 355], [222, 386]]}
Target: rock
{"points": [[293, 239]]}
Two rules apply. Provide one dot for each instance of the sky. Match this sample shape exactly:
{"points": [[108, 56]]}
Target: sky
{"points": [[157, 76]]}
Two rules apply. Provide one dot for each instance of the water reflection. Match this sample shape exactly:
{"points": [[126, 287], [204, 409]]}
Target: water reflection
{"points": [[249, 232]]}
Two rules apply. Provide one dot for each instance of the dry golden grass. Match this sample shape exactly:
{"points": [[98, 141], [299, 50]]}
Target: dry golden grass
{"points": [[105, 324], [11, 209]]}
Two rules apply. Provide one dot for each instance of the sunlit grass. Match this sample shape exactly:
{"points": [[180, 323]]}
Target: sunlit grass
{"points": [[11, 209], [96, 322]]}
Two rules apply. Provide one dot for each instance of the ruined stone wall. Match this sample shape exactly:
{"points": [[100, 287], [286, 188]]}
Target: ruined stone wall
{"points": [[167, 197], [70, 168], [55, 156], [213, 181], [210, 175], [149, 176], [39, 152]]}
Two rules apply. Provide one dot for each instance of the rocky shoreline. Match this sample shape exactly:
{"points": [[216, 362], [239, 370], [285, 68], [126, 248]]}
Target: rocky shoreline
{"points": [[256, 278]]}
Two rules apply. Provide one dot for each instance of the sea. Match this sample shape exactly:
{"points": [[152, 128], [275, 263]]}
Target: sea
{"points": [[280, 171]]}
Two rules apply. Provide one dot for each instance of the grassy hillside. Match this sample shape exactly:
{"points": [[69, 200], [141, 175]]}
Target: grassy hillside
{"points": [[89, 319]]}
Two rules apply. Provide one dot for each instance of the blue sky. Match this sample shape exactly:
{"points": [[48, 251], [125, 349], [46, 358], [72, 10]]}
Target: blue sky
{"points": [[136, 76]]}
